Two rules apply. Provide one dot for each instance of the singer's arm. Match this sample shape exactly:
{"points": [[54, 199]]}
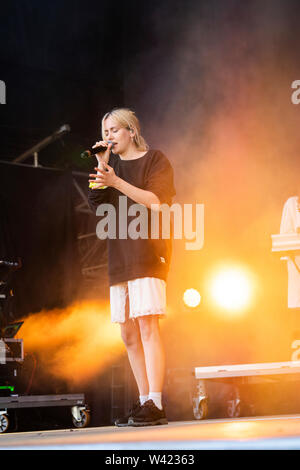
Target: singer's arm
{"points": [[141, 196], [96, 197]]}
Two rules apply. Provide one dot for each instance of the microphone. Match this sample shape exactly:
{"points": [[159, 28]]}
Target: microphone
{"points": [[63, 130], [92, 152]]}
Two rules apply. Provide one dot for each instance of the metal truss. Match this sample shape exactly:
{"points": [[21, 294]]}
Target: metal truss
{"points": [[92, 251]]}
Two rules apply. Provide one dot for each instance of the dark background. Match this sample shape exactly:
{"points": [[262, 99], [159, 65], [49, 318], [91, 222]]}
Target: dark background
{"points": [[211, 84]]}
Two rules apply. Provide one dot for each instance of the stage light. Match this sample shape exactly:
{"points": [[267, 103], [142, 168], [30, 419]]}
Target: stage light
{"points": [[191, 298], [231, 289]]}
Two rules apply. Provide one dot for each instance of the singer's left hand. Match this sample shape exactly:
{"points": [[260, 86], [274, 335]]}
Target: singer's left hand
{"points": [[104, 177]]}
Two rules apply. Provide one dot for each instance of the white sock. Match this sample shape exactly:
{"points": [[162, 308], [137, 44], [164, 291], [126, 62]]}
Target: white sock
{"points": [[143, 398], [156, 398]]}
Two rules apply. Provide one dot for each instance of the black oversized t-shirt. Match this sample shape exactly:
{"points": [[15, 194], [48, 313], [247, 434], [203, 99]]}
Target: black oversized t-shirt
{"points": [[130, 258]]}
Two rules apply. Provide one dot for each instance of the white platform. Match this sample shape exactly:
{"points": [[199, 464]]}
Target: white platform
{"points": [[247, 370]]}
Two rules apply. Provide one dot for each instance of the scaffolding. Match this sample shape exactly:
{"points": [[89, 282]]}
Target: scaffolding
{"points": [[92, 251]]}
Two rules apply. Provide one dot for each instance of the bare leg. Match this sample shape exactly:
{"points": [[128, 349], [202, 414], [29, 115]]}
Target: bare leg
{"points": [[153, 351], [131, 336]]}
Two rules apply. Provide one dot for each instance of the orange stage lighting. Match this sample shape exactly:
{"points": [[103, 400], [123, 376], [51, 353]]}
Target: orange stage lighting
{"points": [[231, 289], [191, 298]]}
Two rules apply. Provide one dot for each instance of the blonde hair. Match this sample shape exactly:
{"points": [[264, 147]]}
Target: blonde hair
{"points": [[127, 118]]}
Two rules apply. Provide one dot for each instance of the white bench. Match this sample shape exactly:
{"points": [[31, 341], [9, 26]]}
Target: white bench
{"points": [[242, 373]]}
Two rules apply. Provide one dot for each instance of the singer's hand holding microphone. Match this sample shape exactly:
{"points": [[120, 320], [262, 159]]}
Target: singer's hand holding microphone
{"points": [[105, 174], [103, 149]]}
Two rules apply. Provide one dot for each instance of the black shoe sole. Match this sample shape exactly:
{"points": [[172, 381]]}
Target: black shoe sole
{"points": [[156, 422]]}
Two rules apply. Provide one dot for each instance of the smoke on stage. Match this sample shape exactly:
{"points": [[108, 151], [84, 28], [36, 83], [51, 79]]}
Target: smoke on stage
{"points": [[75, 343]]}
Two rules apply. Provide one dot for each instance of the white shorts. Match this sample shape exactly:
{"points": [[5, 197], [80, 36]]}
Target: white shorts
{"points": [[136, 298]]}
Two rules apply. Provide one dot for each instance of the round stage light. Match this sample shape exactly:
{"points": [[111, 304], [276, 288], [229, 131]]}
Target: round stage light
{"points": [[231, 289], [191, 298]]}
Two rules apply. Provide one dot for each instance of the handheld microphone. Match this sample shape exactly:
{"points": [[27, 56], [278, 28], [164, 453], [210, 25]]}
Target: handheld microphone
{"points": [[92, 152]]}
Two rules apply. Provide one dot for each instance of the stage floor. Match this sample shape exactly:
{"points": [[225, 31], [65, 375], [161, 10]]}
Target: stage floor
{"points": [[264, 432]]}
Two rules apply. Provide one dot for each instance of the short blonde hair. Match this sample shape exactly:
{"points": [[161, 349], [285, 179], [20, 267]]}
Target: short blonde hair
{"points": [[127, 118]]}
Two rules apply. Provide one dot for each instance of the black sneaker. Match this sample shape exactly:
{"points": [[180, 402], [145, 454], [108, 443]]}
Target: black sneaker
{"points": [[124, 420], [148, 415]]}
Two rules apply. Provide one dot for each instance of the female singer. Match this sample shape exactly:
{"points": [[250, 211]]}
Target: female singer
{"points": [[137, 267]]}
